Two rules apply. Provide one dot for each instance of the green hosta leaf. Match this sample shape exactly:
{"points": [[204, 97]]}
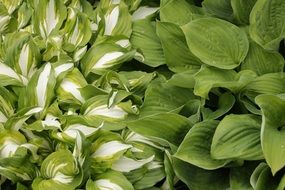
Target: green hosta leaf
{"points": [[196, 146], [7, 103], [238, 137], [216, 42], [225, 103], [77, 30], [59, 170], [40, 89], [262, 61], [240, 176], [196, 178], [10, 141], [219, 8], [262, 179], [147, 43], [165, 126], [271, 83], [211, 77], [48, 17], [272, 132], [184, 79], [242, 9], [178, 12], [107, 56], [266, 23], [169, 170], [177, 54], [153, 176], [109, 180], [158, 96]]}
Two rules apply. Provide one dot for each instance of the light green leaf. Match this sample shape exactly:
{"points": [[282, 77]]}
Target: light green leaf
{"points": [[9, 77], [216, 42], [219, 8], [163, 97], [147, 43], [266, 23], [178, 12], [238, 137], [196, 146], [272, 132], [165, 126], [196, 178], [262, 61], [177, 54], [241, 10]]}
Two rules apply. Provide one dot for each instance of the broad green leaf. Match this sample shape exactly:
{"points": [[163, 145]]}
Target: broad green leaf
{"points": [[240, 176], [241, 10], [272, 132], [219, 8], [211, 77], [216, 42], [177, 54], [48, 17], [262, 179], [196, 178], [266, 23], [163, 97], [165, 126], [196, 146], [262, 61], [184, 79], [178, 12], [238, 137], [147, 43]]}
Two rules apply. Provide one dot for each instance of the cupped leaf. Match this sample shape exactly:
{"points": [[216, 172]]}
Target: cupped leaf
{"points": [[262, 61], [147, 43], [196, 146], [238, 137], [178, 12], [272, 132], [165, 126], [177, 54], [241, 10], [216, 42], [266, 23], [196, 178]]}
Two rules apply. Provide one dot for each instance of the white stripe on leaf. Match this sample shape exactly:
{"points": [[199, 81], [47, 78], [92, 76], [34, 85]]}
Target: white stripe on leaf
{"points": [[111, 20], [110, 148], [143, 12], [113, 112], [106, 184], [41, 88], [107, 58], [125, 164], [72, 88]]}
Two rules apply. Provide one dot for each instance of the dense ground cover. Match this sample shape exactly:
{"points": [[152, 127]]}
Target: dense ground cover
{"points": [[142, 94]]}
